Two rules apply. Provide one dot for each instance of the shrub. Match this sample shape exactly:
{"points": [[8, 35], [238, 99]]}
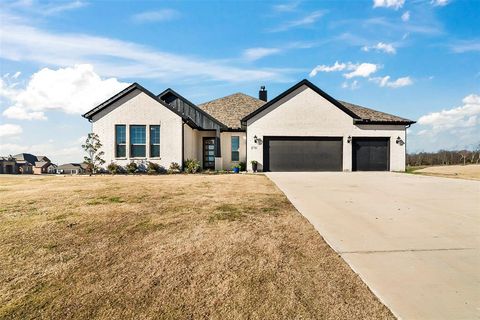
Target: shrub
{"points": [[192, 166], [113, 168], [153, 168], [174, 168], [131, 167], [243, 166]]}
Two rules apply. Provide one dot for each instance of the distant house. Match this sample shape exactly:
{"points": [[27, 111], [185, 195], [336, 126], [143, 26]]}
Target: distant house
{"points": [[28, 163], [71, 168], [8, 165]]}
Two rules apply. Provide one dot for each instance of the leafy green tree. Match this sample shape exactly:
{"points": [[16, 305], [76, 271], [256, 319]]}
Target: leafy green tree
{"points": [[94, 156]]}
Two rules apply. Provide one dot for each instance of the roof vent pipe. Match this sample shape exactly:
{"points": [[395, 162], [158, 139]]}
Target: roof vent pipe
{"points": [[262, 94]]}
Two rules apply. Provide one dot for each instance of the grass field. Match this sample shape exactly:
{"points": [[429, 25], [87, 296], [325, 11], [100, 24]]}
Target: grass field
{"points": [[167, 247], [471, 171]]}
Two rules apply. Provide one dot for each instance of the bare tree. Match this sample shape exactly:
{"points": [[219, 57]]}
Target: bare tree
{"points": [[94, 156], [463, 156]]}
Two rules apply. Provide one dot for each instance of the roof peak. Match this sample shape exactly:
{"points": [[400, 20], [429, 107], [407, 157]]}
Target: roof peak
{"points": [[231, 95]]}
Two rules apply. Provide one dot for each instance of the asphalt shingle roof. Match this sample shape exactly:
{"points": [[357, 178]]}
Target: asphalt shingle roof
{"points": [[370, 114], [231, 109]]}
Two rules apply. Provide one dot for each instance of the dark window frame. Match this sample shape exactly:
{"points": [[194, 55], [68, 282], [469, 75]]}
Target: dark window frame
{"points": [[124, 144], [133, 145], [237, 151], [152, 145]]}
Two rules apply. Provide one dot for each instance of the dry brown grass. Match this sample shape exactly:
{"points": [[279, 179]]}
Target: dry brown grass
{"points": [[470, 172], [167, 247]]}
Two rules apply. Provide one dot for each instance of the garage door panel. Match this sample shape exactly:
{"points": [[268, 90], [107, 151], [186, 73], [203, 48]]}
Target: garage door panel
{"points": [[370, 154], [302, 154]]}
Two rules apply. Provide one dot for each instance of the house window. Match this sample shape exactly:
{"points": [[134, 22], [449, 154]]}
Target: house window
{"points": [[120, 141], [235, 148], [137, 141], [154, 141]]}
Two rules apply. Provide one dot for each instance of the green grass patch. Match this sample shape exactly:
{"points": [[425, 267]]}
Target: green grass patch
{"points": [[413, 169], [105, 200], [226, 212]]}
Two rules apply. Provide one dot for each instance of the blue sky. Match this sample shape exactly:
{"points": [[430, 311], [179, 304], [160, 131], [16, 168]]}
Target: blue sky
{"points": [[417, 59]]}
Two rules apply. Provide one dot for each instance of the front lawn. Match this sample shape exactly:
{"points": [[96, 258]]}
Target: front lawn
{"points": [[167, 247]]}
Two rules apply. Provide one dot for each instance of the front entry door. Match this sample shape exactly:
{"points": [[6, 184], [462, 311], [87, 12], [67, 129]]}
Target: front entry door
{"points": [[209, 153]]}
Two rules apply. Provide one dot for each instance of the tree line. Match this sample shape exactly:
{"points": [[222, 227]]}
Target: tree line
{"points": [[444, 157]]}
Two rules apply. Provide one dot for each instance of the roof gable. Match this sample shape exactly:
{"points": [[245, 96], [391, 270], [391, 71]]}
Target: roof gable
{"points": [[180, 104], [134, 86], [358, 113]]}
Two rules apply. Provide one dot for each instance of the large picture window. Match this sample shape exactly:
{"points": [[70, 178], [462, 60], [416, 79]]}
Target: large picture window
{"points": [[235, 148], [120, 141], [154, 141], [138, 141]]}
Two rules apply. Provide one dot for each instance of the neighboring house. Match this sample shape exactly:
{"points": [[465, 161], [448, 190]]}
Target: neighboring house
{"points": [[71, 168], [302, 129], [28, 163], [8, 165], [52, 168]]}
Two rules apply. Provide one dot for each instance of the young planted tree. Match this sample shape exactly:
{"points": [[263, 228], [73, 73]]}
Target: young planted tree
{"points": [[94, 157]]}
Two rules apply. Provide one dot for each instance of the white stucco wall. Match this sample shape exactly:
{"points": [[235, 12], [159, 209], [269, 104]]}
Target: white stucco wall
{"points": [[226, 145], [306, 113], [193, 146], [137, 108]]}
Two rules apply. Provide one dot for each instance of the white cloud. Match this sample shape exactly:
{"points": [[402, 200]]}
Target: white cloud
{"points": [[385, 47], [465, 46], [396, 4], [455, 128], [117, 58], [253, 54], [324, 68], [467, 115], [302, 22], [72, 90], [357, 69], [286, 7], [362, 70], [20, 113], [9, 130], [16, 75], [353, 85], [156, 16], [385, 82], [406, 16], [439, 3], [46, 8]]}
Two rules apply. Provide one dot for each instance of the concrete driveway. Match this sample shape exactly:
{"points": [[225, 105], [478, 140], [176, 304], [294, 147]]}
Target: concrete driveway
{"points": [[414, 240]]}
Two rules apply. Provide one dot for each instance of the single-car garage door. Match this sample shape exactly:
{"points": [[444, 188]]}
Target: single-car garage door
{"points": [[370, 154], [302, 154]]}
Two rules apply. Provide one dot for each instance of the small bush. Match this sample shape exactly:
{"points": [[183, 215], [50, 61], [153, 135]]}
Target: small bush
{"points": [[154, 168], [114, 168], [192, 166], [243, 166], [131, 167], [174, 168]]}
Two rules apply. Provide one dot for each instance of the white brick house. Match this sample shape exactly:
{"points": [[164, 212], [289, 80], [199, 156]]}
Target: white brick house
{"points": [[302, 129]]}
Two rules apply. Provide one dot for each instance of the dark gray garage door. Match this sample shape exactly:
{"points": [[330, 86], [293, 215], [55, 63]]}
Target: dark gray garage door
{"points": [[302, 154], [370, 154]]}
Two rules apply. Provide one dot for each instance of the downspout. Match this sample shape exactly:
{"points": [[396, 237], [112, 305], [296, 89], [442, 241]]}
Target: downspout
{"points": [[183, 144], [408, 126]]}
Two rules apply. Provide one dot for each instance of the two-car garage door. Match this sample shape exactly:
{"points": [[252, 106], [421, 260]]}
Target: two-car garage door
{"points": [[302, 154], [323, 154]]}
